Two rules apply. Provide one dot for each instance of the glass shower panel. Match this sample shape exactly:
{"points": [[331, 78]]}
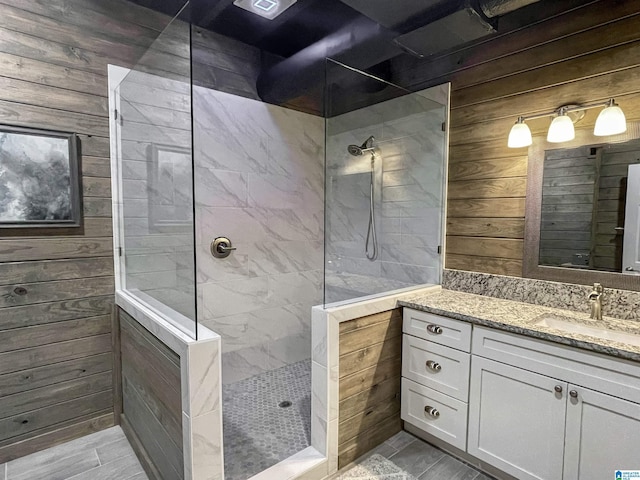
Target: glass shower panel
{"points": [[157, 231], [384, 185]]}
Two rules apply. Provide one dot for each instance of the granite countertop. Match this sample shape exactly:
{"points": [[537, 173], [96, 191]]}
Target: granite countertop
{"points": [[518, 317]]}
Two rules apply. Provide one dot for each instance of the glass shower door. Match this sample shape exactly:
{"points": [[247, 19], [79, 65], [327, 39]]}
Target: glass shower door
{"points": [[154, 138], [385, 178]]}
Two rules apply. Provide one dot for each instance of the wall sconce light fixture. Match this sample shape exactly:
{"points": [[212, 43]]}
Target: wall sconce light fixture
{"points": [[611, 121]]}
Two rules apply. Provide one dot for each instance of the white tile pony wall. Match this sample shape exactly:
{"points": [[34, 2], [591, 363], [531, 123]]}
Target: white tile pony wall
{"points": [[409, 170], [259, 173]]}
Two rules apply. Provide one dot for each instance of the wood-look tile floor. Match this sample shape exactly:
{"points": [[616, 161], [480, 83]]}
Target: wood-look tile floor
{"points": [[104, 455], [422, 460]]}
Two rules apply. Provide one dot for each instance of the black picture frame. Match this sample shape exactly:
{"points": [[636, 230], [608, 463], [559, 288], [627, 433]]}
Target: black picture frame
{"points": [[19, 147]]}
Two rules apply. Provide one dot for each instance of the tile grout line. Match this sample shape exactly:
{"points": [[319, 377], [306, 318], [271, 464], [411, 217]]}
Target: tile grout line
{"points": [[430, 467], [401, 449], [101, 467], [391, 446], [433, 465]]}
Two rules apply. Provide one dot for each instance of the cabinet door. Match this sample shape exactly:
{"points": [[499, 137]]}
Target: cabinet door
{"points": [[516, 420], [603, 435]]}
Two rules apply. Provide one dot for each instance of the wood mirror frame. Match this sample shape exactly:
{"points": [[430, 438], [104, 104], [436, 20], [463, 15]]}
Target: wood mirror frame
{"points": [[533, 214]]}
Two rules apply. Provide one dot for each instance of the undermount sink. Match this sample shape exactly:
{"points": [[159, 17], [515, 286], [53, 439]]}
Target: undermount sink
{"points": [[574, 326]]}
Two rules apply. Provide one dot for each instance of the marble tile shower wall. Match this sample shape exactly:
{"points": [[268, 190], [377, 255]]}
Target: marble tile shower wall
{"points": [[259, 181], [157, 211], [408, 178], [622, 304]]}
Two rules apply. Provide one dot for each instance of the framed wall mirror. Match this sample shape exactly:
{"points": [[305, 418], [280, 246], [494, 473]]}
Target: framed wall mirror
{"points": [[582, 220]]}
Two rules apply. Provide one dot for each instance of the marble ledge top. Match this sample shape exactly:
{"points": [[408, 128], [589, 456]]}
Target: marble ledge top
{"points": [[520, 318]]}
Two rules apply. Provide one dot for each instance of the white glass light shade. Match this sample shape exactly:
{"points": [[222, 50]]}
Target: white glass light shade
{"points": [[611, 121], [519, 136], [561, 130]]}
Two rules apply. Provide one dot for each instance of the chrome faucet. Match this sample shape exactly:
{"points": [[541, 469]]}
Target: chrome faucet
{"points": [[595, 301]]}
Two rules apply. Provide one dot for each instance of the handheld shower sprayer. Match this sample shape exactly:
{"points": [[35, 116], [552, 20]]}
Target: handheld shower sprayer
{"points": [[370, 251]]}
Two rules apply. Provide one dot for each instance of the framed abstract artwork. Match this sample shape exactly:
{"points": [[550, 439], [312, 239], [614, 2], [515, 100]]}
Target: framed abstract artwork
{"points": [[39, 178]]}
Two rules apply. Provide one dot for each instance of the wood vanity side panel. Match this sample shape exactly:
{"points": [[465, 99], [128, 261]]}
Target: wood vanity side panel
{"points": [[369, 385], [586, 54]]}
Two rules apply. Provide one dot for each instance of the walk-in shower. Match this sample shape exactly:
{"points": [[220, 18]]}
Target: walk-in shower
{"points": [[371, 242], [313, 215]]}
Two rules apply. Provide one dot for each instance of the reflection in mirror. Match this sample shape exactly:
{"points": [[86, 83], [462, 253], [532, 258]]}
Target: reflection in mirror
{"points": [[590, 204]]}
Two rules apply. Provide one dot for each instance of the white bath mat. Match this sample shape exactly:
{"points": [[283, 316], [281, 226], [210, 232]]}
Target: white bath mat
{"points": [[376, 467]]}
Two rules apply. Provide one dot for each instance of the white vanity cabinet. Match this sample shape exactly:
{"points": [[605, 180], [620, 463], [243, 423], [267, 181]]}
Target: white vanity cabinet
{"points": [[516, 420], [537, 411], [602, 435], [435, 375], [533, 409]]}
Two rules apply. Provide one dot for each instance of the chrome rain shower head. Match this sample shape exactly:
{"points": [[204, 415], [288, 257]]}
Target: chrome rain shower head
{"points": [[367, 146], [355, 150]]}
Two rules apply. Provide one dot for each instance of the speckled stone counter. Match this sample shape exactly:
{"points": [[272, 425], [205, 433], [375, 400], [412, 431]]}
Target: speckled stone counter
{"points": [[624, 304], [521, 318]]}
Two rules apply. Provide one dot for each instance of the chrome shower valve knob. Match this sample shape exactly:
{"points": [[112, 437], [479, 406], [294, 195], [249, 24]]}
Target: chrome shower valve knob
{"points": [[221, 247]]}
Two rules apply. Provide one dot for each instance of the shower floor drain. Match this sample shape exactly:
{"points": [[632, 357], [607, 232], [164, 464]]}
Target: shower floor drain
{"points": [[284, 404]]}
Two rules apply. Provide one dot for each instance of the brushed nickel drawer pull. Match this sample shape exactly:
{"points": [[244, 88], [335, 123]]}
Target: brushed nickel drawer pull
{"points": [[573, 394], [431, 411], [436, 367], [437, 329], [558, 388]]}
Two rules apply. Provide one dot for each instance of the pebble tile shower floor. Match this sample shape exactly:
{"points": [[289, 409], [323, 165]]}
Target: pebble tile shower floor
{"points": [[258, 433]]}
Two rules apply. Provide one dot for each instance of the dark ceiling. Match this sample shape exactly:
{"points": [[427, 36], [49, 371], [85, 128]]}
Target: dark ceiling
{"points": [[301, 25], [363, 34]]}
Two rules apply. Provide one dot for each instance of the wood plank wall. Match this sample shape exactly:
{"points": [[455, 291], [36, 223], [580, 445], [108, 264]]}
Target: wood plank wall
{"points": [[151, 400], [370, 358], [588, 54], [55, 340], [568, 191]]}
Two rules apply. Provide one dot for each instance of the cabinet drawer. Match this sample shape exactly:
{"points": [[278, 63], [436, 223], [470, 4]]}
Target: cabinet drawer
{"points": [[449, 425], [443, 330], [615, 376], [442, 368]]}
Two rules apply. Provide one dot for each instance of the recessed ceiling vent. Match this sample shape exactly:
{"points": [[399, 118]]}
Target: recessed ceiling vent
{"points": [[455, 29], [473, 20], [365, 42]]}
